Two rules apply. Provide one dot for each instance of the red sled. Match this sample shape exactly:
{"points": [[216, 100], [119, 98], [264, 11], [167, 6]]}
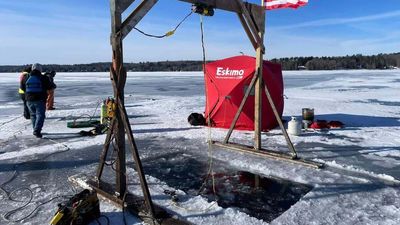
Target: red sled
{"points": [[226, 82]]}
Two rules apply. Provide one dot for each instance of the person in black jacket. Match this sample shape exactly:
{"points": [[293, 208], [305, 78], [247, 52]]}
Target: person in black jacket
{"points": [[35, 87]]}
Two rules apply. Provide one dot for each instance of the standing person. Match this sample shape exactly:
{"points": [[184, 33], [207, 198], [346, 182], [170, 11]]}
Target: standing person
{"points": [[24, 74], [35, 87], [50, 93]]}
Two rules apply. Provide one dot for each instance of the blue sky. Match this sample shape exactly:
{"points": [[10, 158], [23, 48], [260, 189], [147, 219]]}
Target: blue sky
{"points": [[77, 31]]}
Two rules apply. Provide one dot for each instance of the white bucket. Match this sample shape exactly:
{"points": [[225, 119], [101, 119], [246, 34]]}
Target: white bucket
{"points": [[294, 127]]}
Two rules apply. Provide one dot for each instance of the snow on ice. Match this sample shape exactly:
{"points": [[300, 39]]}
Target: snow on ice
{"points": [[360, 184]]}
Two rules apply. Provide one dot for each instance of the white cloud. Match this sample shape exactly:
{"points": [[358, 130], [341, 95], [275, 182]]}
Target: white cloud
{"points": [[339, 21]]}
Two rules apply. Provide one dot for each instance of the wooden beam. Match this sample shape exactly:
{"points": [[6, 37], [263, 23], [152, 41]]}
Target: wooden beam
{"points": [[246, 95], [118, 79], [106, 147], [115, 17], [255, 30], [123, 5], [135, 154], [138, 163], [278, 118], [258, 87], [258, 102], [119, 132], [268, 154], [228, 5], [132, 203], [134, 18], [257, 15], [247, 30]]}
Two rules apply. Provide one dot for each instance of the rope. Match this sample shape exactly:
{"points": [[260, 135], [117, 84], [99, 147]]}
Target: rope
{"points": [[9, 121], [5, 193], [84, 115], [8, 195], [169, 33], [15, 133], [7, 215], [59, 143], [210, 171]]}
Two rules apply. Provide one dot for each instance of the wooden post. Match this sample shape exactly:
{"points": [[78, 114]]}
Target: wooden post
{"points": [[135, 155], [277, 117], [117, 66], [258, 86]]}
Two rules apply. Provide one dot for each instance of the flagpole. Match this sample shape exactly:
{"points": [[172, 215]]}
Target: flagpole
{"points": [[258, 86]]}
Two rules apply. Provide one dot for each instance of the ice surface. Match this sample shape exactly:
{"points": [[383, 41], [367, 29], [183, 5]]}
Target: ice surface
{"points": [[359, 186]]}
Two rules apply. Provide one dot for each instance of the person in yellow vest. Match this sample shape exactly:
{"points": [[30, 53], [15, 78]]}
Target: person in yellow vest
{"points": [[23, 76], [35, 87]]}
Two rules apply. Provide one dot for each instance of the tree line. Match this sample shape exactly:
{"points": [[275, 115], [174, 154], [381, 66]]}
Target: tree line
{"points": [[105, 67], [380, 61]]}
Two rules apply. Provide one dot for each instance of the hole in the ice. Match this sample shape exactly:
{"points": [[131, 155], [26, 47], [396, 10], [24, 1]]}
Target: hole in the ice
{"points": [[262, 197]]}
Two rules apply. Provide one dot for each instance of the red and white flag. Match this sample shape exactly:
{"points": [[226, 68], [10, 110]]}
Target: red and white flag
{"points": [[278, 4]]}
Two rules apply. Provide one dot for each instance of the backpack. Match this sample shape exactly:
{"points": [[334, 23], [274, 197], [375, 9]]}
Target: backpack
{"points": [[196, 119], [34, 85]]}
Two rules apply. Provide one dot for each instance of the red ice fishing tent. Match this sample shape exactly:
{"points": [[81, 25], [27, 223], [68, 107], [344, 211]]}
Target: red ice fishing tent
{"points": [[226, 82]]}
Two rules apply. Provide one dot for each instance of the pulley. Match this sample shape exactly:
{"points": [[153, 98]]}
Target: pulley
{"points": [[203, 9]]}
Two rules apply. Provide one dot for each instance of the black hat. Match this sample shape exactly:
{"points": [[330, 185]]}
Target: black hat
{"points": [[27, 69]]}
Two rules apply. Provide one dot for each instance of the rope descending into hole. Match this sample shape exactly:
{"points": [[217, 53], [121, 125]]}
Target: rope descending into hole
{"points": [[210, 171]]}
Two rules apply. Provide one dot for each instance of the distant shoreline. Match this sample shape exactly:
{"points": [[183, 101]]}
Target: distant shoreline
{"points": [[380, 61], [167, 72]]}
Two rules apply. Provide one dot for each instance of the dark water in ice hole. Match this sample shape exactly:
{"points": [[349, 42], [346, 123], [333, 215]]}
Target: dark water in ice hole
{"points": [[262, 197]]}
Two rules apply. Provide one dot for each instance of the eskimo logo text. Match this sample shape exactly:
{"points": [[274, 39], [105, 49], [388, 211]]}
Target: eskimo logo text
{"points": [[226, 73]]}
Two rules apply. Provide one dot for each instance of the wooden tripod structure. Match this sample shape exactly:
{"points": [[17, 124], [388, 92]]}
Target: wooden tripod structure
{"points": [[252, 17]]}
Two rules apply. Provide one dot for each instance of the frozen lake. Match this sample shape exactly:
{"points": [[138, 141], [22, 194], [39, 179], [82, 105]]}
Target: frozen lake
{"points": [[148, 83], [359, 186]]}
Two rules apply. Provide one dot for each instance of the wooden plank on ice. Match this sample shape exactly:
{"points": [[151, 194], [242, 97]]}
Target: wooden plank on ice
{"points": [[132, 203], [268, 154]]}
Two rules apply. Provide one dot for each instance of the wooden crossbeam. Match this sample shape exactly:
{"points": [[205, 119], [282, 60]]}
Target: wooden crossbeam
{"points": [[278, 118], [228, 5], [123, 5], [247, 30], [134, 18], [268, 154], [132, 203], [257, 14], [105, 150], [240, 109], [135, 154], [254, 29]]}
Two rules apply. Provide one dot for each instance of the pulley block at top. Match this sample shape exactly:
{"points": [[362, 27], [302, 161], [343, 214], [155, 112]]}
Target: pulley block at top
{"points": [[203, 9]]}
